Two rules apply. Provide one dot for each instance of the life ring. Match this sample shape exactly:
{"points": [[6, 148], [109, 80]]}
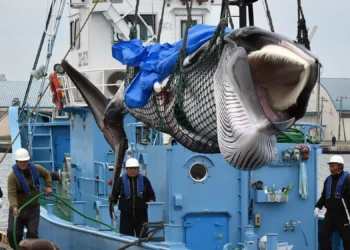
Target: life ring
{"points": [[57, 94]]}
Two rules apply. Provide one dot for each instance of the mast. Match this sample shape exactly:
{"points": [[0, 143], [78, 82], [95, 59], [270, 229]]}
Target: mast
{"points": [[242, 5]]}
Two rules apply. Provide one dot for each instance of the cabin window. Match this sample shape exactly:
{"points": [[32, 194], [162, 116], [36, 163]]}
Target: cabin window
{"points": [[183, 26], [181, 22], [74, 31], [199, 172], [144, 32]]}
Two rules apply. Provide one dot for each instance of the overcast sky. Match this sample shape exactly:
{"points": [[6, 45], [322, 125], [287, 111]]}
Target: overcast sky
{"points": [[22, 23]]}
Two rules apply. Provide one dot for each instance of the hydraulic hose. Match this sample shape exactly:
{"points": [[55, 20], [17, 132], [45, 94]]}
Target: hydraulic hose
{"points": [[65, 203]]}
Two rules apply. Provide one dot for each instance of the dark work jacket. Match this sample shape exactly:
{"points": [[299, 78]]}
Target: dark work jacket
{"points": [[334, 205], [135, 206]]}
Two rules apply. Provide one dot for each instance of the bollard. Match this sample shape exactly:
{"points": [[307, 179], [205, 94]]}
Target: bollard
{"points": [[250, 238], [271, 243], [50, 209]]}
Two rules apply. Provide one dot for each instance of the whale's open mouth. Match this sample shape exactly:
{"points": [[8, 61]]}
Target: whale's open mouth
{"points": [[280, 73], [262, 85]]}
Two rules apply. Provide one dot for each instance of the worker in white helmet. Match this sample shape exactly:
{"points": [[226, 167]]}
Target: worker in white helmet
{"points": [[336, 199], [133, 191], [23, 184]]}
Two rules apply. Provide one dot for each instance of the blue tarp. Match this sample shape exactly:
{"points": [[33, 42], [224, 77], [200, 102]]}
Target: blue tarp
{"points": [[156, 61]]}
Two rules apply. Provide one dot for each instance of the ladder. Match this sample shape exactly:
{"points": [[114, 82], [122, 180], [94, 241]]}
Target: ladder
{"points": [[42, 147], [31, 127]]}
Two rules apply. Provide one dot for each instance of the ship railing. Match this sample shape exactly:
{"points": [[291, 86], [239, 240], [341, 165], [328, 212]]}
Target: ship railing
{"points": [[101, 170], [307, 127], [71, 93], [145, 135]]}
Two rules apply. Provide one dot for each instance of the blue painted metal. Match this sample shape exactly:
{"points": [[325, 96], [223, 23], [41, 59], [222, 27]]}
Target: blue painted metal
{"points": [[77, 218], [206, 230], [271, 241], [50, 208], [14, 131], [212, 213], [155, 214], [281, 174], [70, 236]]}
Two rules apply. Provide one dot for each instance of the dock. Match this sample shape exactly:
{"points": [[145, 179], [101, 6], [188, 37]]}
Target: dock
{"points": [[339, 148]]}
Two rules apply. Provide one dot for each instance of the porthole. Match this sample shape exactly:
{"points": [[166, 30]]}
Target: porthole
{"points": [[199, 172]]}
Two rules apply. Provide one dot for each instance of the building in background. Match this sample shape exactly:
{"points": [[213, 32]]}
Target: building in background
{"points": [[10, 90], [334, 108]]}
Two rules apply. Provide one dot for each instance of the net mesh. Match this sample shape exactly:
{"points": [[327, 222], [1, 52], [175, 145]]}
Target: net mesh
{"points": [[186, 109]]}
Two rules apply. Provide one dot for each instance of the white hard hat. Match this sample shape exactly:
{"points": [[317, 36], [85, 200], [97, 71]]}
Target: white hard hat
{"points": [[132, 163], [22, 155], [336, 159]]}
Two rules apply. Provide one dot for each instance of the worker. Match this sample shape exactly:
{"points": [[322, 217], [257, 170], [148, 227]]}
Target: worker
{"points": [[23, 184], [336, 199], [334, 140], [133, 191]]}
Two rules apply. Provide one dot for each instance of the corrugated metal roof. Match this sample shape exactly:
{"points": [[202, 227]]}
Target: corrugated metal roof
{"points": [[17, 89], [336, 88]]}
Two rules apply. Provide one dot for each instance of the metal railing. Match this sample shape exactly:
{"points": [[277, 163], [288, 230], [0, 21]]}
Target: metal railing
{"points": [[68, 87]]}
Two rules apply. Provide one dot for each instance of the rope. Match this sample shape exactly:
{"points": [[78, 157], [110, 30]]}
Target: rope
{"points": [[268, 15], [157, 227], [82, 27], [37, 56], [230, 18], [302, 36], [41, 95], [133, 30], [183, 47], [177, 71], [161, 22], [65, 203], [132, 35], [31, 113]]}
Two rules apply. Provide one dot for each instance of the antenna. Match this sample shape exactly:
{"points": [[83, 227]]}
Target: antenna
{"points": [[312, 33]]}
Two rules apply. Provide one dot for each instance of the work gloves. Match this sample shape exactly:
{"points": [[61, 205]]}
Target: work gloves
{"points": [[317, 210]]}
